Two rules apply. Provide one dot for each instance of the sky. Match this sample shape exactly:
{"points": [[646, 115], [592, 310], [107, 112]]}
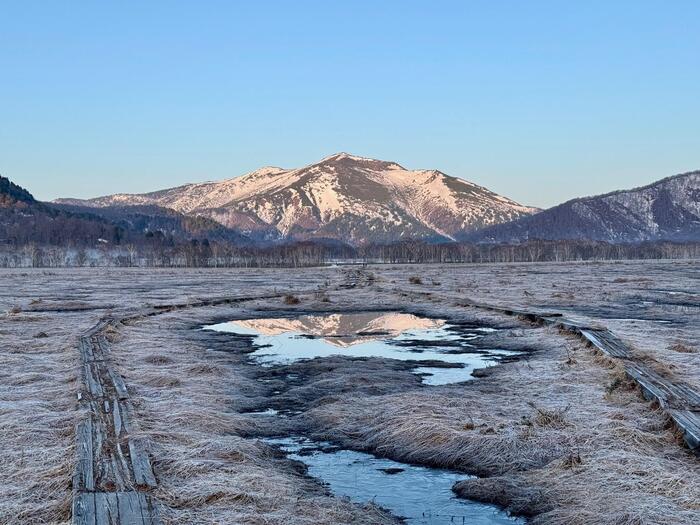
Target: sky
{"points": [[541, 101]]}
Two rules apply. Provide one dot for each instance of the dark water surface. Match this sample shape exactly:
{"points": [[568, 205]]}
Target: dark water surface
{"points": [[422, 495]]}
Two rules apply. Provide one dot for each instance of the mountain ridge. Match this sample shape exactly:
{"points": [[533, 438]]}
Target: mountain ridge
{"points": [[345, 197], [668, 209], [342, 196]]}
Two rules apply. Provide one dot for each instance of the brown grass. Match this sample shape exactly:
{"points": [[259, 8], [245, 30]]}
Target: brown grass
{"points": [[683, 348], [38, 383], [632, 280], [555, 417], [291, 299], [631, 471]]}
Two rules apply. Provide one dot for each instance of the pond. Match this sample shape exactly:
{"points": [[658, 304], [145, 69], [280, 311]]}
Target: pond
{"points": [[421, 495], [392, 335]]}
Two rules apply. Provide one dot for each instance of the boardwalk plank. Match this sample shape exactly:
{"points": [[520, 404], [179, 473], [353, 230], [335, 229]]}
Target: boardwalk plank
{"points": [[102, 439], [118, 384], [84, 478], [149, 512], [689, 423], [107, 508], [129, 508], [92, 380], [84, 509], [141, 464]]}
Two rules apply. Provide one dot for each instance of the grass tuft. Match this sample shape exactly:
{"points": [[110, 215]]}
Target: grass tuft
{"points": [[291, 299], [682, 348], [555, 417]]}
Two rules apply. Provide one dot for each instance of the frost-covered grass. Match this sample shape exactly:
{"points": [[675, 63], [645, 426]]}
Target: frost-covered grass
{"points": [[38, 372], [561, 435], [551, 439], [208, 471]]}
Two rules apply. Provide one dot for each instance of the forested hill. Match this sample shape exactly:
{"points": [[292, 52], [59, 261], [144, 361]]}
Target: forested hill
{"points": [[11, 193], [24, 220]]}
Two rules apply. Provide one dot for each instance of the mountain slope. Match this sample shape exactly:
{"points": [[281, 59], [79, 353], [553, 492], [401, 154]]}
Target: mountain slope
{"points": [[11, 194], [668, 209], [148, 218], [24, 220], [343, 197]]}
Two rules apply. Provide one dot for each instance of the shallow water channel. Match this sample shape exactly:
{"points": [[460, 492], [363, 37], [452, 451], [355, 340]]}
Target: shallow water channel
{"points": [[392, 335], [421, 495]]}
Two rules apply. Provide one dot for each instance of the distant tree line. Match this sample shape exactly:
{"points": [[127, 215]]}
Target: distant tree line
{"points": [[530, 251], [160, 250]]}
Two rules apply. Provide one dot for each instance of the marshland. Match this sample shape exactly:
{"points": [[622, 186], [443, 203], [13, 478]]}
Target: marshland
{"points": [[316, 396]]}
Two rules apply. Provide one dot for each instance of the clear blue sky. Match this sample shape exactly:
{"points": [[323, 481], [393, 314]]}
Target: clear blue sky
{"points": [[540, 101]]}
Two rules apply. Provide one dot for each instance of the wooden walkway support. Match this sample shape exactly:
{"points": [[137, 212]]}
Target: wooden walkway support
{"points": [[680, 401], [113, 471]]}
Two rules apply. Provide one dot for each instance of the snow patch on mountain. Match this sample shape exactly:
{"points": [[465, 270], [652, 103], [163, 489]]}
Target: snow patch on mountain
{"points": [[343, 196], [668, 209]]}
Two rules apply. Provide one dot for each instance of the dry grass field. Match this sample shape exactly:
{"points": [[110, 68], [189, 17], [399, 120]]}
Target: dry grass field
{"points": [[559, 435]]}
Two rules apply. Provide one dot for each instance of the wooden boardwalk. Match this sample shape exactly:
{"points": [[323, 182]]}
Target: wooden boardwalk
{"points": [[679, 400], [113, 477], [113, 472]]}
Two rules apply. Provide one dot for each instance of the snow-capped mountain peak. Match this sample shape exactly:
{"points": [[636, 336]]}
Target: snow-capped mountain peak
{"points": [[342, 196], [348, 160]]}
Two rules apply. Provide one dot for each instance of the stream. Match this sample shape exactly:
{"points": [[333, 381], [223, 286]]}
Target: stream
{"points": [[418, 494]]}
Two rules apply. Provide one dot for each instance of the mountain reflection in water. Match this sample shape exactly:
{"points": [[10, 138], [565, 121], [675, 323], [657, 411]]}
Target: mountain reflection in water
{"points": [[391, 335], [343, 330]]}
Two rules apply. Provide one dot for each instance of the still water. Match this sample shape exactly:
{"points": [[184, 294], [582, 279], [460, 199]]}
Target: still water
{"points": [[421, 495], [390, 335]]}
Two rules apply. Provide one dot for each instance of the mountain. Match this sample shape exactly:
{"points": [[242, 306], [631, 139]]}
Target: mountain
{"points": [[344, 197], [149, 218], [668, 209], [24, 220]]}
